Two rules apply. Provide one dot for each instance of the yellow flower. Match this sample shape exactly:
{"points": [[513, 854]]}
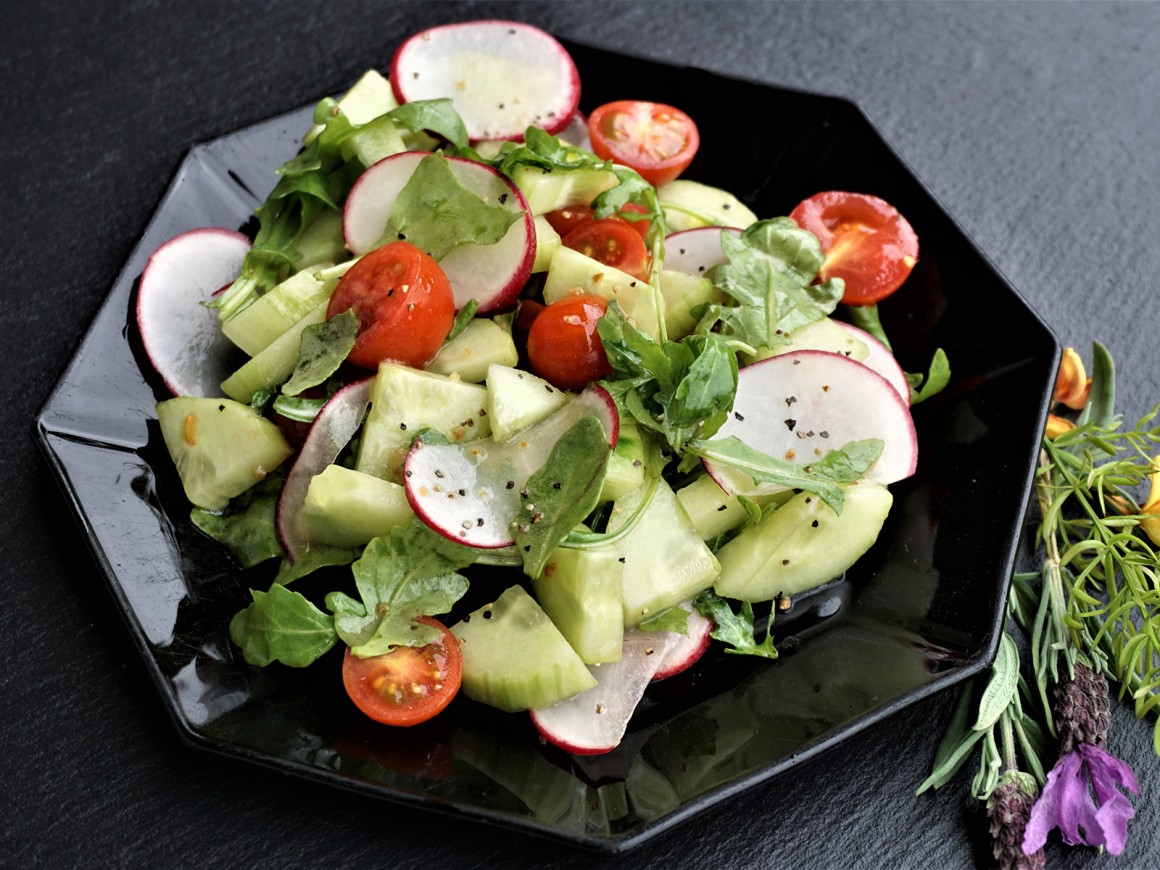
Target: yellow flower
{"points": [[1056, 426], [1151, 525], [1072, 384]]}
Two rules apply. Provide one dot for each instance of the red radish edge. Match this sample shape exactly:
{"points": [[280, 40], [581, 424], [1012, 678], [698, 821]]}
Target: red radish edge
{"points": [[763, 375], [687, 649], [553, 114], [881, 360], [368, 208], [182, 338], [330, 432], [466, 496]]}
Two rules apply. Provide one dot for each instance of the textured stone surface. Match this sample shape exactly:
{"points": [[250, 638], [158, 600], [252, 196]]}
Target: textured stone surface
{"points": [[1036, 125]]}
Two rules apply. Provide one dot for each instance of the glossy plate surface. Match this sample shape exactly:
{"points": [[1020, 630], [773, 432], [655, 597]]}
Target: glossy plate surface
{"points": [[919, 612]]}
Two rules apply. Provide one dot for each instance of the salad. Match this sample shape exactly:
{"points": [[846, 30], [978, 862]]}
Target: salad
{"points": [[475, 327]]}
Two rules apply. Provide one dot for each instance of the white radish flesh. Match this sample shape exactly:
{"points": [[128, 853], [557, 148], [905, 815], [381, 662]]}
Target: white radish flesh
{"points": [[331, 431], [881, 360], [182, 338], [470, 492], [696, 251], [800, 405], [501, 76], [594, 721], [491, 274]]}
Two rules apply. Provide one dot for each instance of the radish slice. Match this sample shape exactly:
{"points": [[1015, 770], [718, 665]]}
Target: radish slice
{"points": [[799, 405], [182, 338], [881, 360], [594, 721], [470, 492], [492, 274], [330, 432], [696, 251], [686, 649], [502, 76]]}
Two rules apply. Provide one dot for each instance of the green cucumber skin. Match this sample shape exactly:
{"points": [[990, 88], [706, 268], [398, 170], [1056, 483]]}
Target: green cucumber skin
{"points": [[547, 191], [581, 591], [516, 659], [666, 560], [801, 545], [220, 447]]}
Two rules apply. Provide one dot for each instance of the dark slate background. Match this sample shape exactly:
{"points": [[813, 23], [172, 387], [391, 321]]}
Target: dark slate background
{"points": [[1036, 124]]}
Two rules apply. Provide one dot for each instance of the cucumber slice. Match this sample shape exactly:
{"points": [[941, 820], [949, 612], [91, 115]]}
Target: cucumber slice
{"points": [[221, 448], [548, 191], [825, 334], [689, 204], [710, 509], [626, 464], [682, 293], [346, 508], [369, 97], [271, 316], [514, 658], [274, 364], [573, 272], [470, 354], [666, 561], [547, 243], [516, 399], [580, 590], [802, 544], [403, 402]]}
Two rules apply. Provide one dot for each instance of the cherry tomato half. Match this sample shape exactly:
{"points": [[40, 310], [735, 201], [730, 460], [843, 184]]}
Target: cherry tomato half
{"points": [[656, 140], [564, 220], [408, 685], [403, 302], [866, 242], [563, 346], [613, 242]]}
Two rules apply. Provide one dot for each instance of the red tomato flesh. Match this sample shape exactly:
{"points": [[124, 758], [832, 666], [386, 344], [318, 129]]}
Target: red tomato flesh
{"points": [[656, 140], [613, 242], [866, 242], [408, 685], [563, 346], [564, 220], [403, 302]]}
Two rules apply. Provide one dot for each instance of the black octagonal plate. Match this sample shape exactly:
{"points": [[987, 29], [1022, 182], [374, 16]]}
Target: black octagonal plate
{"points": [[918, 613]]}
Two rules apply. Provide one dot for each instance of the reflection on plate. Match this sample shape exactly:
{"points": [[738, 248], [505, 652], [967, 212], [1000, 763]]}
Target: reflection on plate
{"points": [[919, 612]]}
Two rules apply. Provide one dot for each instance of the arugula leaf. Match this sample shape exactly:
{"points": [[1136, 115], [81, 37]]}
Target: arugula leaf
{"points": [[823, 477], [246, 526], [866, 318], [769, 278], [681, 390], [438, 116], [408, 574], [283, 626], [322, 349], [297, 408], [562, 493], [938, 376], [735, 629], [670, 619], [436, 213], [318, 556]]}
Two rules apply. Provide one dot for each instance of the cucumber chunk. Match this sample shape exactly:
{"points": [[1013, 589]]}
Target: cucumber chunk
{"points": [[666, 561], [514, 658], [547, 191], [346, 508], [825, 334], [221, 448], [581, 590], [573, 272], [482, 343], [274, 365], [710, 509], [272, 315], [682, 293], [802, 544], [516, 399], [625, 470], [688, 204], [405, 401], [547, 243], [369, 97]]}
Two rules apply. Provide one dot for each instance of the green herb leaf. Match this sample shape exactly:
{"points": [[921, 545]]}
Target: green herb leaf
{"points": [[670, 619], [246, 525], [735, 629], [282, 626], [316, 558], [411, 573], [769, 277], [1001, 687], [562, 493], [866, 318], [936, 379], [823, 477], [322, 350], [297, 408], [462, 319], [957, 742], [1101, 404], [437, 214], [437, 116]]}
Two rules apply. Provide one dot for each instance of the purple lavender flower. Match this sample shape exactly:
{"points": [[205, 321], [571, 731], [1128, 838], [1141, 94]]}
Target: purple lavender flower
{"points": [[1066, 802]]}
